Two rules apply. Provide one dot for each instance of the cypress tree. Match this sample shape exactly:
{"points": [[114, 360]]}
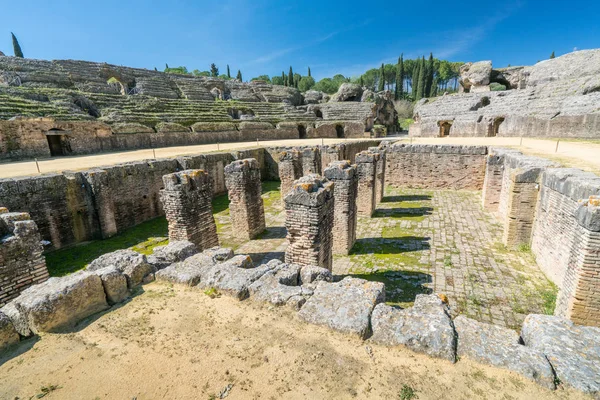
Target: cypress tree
{"points": [[552, 55], [283, 78], [16, 46], [399, 78], [309, 72], [166, 66], [361, 81], [214, 71], [239, 75], [429, 76], [423, 78], [228, 74], [291, 77], [381, 87], [415, 80]]}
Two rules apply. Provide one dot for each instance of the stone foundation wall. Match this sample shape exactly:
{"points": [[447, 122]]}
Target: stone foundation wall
{"points": [[187, 201], [345, 191], [436, 166], [21, 261], [245, 202], [309, 209]]}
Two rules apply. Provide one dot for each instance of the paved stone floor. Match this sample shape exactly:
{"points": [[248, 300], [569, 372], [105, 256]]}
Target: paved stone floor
{"points": [[421, 242]]}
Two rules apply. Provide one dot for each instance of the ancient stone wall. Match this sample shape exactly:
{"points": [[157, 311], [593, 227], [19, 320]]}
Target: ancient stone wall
{"points": [[309, 209], [187, 201], [290, 169], [244, 188], [21, 261], [565, 241], [366, 169], [379, 173], [345, 192], [436, 166]]}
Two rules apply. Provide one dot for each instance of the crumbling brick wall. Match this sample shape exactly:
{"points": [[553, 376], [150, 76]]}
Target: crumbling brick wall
{"points": [[290, 169], [21, 261], [187, 201], [366, 168], [379, 173], [345, 190], [309, 208], [244, 188]]}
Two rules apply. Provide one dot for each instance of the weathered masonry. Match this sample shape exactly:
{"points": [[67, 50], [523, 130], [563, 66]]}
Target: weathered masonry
{"points": [[366, 168], [379, 173], [244, 188], [345, 190], [21, 261], [309, 222], [290, 169], [187, 201]]}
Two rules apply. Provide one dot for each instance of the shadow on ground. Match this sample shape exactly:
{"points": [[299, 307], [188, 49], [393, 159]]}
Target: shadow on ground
{"points": [[402, 212], [400, 198], [273, 232], [401, 287], [396, 245], [263, 258]]}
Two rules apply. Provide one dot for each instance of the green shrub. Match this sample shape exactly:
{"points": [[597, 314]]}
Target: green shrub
{"points": [[497, 87]]}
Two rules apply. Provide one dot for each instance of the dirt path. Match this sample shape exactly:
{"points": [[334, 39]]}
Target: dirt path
{"points": [[175, 343]]}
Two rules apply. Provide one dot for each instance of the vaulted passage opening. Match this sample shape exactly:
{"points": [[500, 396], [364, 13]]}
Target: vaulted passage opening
{"points": [[302, 131], [339, 131], [445, 128], [493, 131], [58, 142]]}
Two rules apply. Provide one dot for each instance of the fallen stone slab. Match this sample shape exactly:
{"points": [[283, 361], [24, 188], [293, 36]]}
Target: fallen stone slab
{"points": [[60, 303], [8, 333], [189, 271], [573, 350], [114, 283], [311, 273], [279, 286], [233, 277], [133, 265], [500, 347], [425, 328], [18, 319], [345, 306], [175, 251]]}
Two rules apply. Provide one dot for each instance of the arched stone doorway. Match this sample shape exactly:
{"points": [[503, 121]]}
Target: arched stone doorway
{"points": [[445, 128], [58, 142], [495, 126], [339, 131]]}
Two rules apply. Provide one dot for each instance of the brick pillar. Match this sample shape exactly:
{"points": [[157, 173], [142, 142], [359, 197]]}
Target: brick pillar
{"points": [[345, 180], [290, 169], [579, 297], [332, 153], [311, 161], [379, 174], [22, 263], [242, 179], [492, 183], [187, 201], [366, 167], [523, 190], [309, 221]]}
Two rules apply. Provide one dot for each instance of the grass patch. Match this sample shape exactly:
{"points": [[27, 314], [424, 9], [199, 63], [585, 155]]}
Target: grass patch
{"points": [[548, 296], [212, 293], [401, 287], [143, 236], [407, 393]]}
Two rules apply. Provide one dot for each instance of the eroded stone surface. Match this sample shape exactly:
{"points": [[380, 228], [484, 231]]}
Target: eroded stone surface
{"points": [[500, 347], [133, 265], [8, 334], [426, 327], [345, 306], [18, 319], [573, 350], [115, 284], [280, 286], [177, 250], [189, 271], [59, 303]]}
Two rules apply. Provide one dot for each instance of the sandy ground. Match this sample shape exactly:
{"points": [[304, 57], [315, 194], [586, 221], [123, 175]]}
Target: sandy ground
{"points": [[177, 343], [577, 154]]}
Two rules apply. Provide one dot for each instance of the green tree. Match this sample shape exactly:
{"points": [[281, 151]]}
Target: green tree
{"points": [[423, 78], [166, 65], [309, 72], [361, 82], [399, 90], [200, 73], [277, 80], [381, 82], [415, 79], [327, 85], [284, 78], [224, 77], [214, 71], [551, 55], [228, 74], [291, 77], [390, 75], [16, 46], [297, 78], [429, 71], [306, 83], [262, 78], [177, 70], [239, 76]]}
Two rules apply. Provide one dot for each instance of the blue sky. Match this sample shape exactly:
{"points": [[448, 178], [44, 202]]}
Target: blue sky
{"points": [[266, 37]]}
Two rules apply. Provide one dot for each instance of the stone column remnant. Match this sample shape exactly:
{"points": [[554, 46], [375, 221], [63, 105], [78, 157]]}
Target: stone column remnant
{"points": [[311, 161], [290, 169], [379, 173], [345, 180], [187, 201], [22, 263], [366, 166], [242, 179], [309, 221], [330, 153]]}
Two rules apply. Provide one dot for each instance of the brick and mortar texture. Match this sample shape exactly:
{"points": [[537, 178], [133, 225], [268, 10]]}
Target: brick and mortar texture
{"points": [[566, 241], [345, 190], [244, 189], [311, 160], [290, 169], [309, 209], [187, 201], [21, 261], [366, 168], [436, 166], [379, 173]]}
